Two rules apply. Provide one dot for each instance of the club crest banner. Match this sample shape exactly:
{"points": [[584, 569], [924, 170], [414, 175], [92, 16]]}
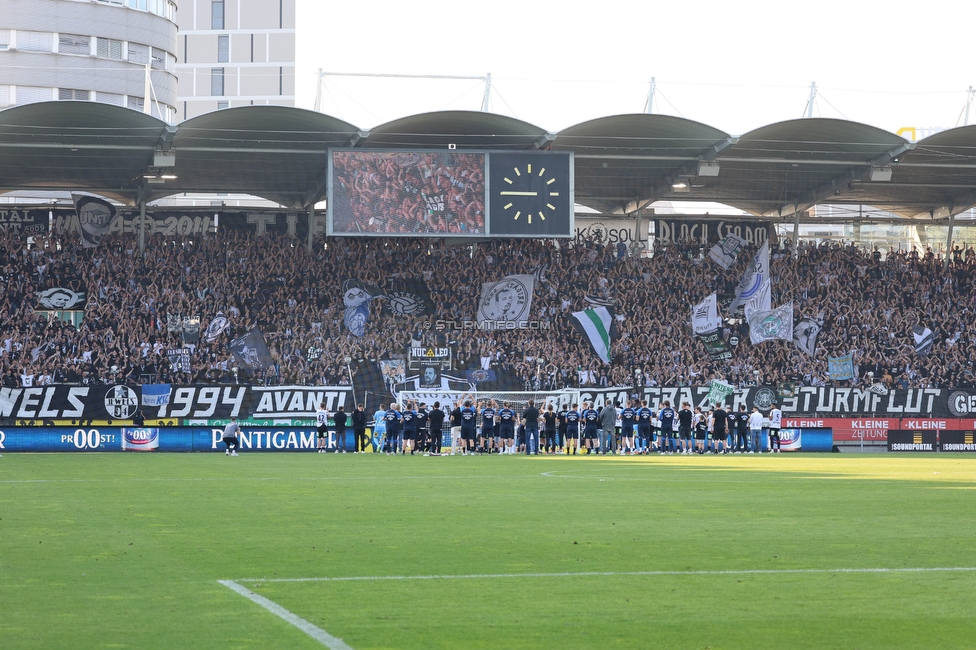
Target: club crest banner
{"points": [[508, 300], [773, 324], [413, 299]]}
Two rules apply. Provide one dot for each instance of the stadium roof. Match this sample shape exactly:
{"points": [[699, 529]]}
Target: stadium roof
{"points": [[623, 162]]}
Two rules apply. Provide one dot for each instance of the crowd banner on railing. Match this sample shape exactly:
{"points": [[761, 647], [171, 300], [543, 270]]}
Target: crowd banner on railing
{"points": [[709, 231], [120, 402], [222, 401]]}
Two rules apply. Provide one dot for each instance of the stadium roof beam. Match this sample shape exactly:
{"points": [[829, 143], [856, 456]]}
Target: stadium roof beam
{"points": [[666, 185], [840, 183]]}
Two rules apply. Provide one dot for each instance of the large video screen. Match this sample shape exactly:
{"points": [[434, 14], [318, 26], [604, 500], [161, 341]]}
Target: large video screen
{"points": [[407, 193]]}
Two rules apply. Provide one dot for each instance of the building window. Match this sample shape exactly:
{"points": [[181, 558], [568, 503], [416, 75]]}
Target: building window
{"points": [[135, 103], [4, 39], [138, 4], [138, 53], [35, 41], [4, 95], [223, 49], [158, 59], [106, 48], [65, 94], [31, 94], [74, 44], [221, 105], [217, 82], [217, 14], [109, 98]]}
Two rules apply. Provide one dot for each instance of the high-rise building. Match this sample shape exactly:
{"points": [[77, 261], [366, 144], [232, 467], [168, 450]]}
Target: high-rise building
{"points": [[234, 53], [89, 50]]}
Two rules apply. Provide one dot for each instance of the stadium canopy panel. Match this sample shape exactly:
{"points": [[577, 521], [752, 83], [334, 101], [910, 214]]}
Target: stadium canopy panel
{"points": [[622, 162], [787, 167], [464, 129], [935, 179], [279, 153], [69, 145]]}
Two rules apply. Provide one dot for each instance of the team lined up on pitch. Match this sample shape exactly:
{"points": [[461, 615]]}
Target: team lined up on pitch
{"points": [[593, 430]]}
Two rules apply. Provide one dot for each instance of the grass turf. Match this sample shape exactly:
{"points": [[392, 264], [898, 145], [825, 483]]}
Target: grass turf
{"points": [[125, 550]]}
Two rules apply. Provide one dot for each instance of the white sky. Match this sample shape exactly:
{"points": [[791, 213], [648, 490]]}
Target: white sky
{"points": [[733, 65]]}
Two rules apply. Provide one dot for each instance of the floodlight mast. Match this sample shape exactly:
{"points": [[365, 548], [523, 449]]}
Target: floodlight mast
{"points": [[813, 96], [320, 79], [649, 107]]}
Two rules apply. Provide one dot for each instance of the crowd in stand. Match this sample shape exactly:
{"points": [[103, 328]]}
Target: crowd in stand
{"points": [[868, 302]]}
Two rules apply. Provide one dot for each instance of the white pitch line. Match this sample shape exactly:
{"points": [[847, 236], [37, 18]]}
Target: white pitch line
{"points": [[316, 633], [584, 574]]}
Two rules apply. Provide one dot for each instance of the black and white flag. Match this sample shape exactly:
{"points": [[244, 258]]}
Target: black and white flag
{"points": [[216, 327], [805, 335], [924, 338], [412, 300], [251, 351], [179, 359], [61, 298], [726, 251], [596, 300], [95, 218], [704, 316]]}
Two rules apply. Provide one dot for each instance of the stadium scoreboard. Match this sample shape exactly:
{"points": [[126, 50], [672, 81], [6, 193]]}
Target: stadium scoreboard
{"points": [[452, 193]]}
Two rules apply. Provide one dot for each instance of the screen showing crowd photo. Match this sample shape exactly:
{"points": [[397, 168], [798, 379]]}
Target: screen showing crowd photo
{"points": [[407, 193]]}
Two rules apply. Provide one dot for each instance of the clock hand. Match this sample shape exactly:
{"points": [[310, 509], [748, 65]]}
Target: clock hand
{"points": [[518, 193]]}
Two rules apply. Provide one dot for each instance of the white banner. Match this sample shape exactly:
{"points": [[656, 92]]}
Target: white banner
{"points": [[755, 282], [704, 315], [508, 300]]}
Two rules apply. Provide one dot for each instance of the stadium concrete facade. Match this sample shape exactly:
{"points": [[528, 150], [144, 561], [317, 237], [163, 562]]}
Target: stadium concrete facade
{"points": [[89, 51]]}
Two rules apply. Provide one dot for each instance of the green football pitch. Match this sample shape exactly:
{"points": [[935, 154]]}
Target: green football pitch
{"points": [[371, 551]]}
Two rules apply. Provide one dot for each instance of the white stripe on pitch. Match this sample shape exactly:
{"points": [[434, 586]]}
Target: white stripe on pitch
{"points": [[316, 633], [584, 574]]}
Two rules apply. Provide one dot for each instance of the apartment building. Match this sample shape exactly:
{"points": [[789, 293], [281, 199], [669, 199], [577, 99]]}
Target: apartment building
{"points": [[234, 53]]}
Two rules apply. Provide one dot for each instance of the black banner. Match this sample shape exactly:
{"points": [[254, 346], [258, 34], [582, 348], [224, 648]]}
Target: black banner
{"points": [[710, 231], [254, 402], [18, 221], [173, 223], [822, 401], [64, 402]]}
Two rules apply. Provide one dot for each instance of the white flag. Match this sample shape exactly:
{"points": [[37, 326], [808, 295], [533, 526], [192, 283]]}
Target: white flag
{"points": [[773, 324], [725, 252], [755, 282], [704, 315]]}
